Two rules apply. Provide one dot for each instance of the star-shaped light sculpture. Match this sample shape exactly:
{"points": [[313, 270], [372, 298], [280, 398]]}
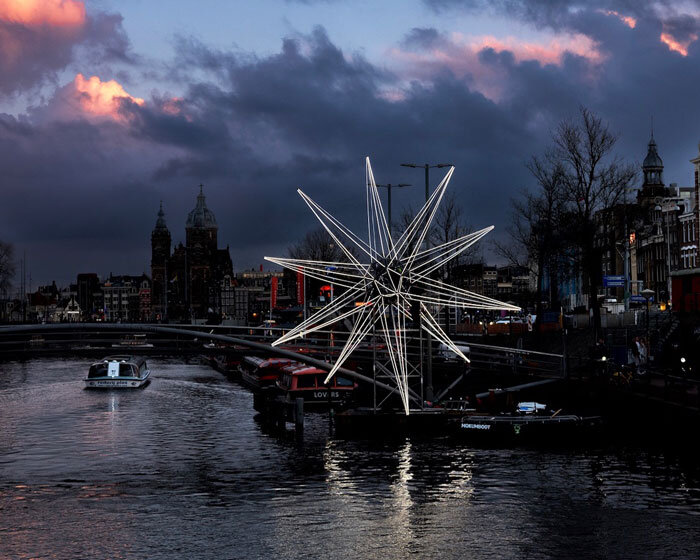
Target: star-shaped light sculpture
{"points": [[386, 280]]}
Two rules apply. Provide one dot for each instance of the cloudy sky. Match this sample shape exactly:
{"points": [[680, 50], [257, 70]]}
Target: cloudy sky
{"points": [[109, 106]]}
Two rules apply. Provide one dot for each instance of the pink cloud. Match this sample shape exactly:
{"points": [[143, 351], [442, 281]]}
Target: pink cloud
{"points": [[677, 45], [629, 21], [55, 13], [99, 98], [550, 52], [103, 101], [87, 98], [460, 54]]}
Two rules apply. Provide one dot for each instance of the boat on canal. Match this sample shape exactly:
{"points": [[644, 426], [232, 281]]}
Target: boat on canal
{"points": [[225, 363], [133, 341], [529, 424], [260, 373], [118, 372], [299, 380]]}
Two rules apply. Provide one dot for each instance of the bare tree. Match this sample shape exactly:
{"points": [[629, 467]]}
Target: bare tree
{"points": [[404, 221], [7, 266], [535, 239], [317, 245], [577, 178], [594, 180], [449, 224]]}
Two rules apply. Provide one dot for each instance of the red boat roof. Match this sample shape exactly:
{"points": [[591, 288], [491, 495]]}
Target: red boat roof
{"points": [[303, 369], [269, 362]]}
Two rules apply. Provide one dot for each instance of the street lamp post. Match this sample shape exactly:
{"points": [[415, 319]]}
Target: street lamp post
{"points": [[427, 167], [429, 357], [388, 187]]}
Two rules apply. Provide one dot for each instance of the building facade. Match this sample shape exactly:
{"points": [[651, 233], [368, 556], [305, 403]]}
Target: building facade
{"points": [[188, 280], [127, 299]]}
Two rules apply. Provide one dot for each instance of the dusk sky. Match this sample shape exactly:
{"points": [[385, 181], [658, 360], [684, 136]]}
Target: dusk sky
{"points": [[109, 106]]}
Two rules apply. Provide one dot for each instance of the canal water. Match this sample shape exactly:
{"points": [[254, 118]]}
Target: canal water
{"points": [[183, 469]]}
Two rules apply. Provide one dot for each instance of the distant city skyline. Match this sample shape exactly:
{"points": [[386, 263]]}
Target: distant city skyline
{"points": [[107, 108]]}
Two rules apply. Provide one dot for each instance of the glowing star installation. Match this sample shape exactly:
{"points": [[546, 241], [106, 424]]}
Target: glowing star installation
{"points": [[392, 279]]}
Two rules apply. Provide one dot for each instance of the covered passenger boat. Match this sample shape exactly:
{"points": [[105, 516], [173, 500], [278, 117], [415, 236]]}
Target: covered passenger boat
{"points": [[299, 380], [259, 373], [121, 372]]}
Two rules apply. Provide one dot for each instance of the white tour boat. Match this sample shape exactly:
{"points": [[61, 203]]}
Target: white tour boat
{"points": [[118, 372]]}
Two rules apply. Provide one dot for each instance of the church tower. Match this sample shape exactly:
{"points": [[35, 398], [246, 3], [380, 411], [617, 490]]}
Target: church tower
{"points": [[653, 168], [201, 242], [160, 255]]}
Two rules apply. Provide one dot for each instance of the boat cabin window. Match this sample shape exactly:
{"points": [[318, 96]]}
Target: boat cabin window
{"points": [[102, 370], [306, 381], [97, 370], [342, 382], [142, 369]]}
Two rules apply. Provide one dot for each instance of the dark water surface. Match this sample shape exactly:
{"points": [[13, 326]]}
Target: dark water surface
{"points": [[182, 469]]}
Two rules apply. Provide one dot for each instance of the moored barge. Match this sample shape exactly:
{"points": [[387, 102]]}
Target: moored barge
{"points": [[300, 381], [514, 428], [260, 373]]}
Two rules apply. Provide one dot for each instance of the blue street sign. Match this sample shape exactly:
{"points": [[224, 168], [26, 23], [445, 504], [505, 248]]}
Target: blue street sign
{"points": [[616, 281]]}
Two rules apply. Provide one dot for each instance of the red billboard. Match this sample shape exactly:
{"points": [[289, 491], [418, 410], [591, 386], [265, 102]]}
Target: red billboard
{"points": [[273, 292], [300, 288]]}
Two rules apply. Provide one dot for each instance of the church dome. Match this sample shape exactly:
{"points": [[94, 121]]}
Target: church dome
{"points": [[160, 221], [201, 216], [652, 159]]}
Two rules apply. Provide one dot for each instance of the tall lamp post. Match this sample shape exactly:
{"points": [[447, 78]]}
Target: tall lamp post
{"points": [[429, 359], [427, 168], [388, 187]]}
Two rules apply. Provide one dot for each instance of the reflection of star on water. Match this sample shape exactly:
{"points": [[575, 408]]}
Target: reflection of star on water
{"points": [[395, 282]]}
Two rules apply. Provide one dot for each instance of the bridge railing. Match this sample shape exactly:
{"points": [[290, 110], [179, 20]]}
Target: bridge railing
{"points": [[520, 362], [325, 344]]}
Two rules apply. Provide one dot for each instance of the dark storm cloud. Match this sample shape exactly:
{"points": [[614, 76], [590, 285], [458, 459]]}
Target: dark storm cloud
{"points": [[30, 56], [559, 14], [31, 53], [307, 116], [106, 40], [289, 115], [683, 27], [422, 38], [254, 129], [64, 205]]}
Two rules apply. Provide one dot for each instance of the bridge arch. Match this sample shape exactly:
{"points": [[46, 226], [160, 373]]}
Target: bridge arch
{"points": [[140, 328]]}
